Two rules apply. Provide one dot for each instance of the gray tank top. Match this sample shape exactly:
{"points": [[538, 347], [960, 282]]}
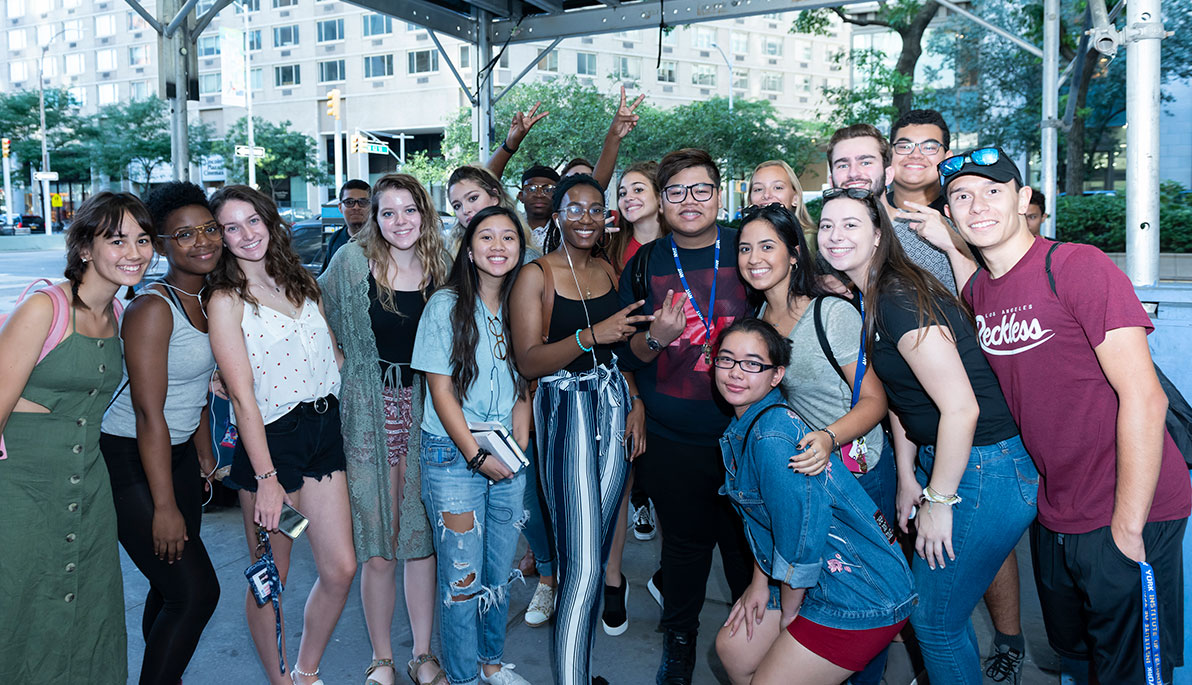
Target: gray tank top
{"points": [[188, 372]]}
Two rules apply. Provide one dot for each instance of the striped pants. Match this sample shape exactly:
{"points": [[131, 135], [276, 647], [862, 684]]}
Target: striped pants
{"points": [[580, 420]]}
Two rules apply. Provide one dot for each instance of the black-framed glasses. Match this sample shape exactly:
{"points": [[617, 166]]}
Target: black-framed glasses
{"points": [[750, 212], [927, 147], [747, 365], [539, 189], [576, 212], [355, 202], [854, 193], [188, 235], [700, 192], [498, 332], [986, 156]]}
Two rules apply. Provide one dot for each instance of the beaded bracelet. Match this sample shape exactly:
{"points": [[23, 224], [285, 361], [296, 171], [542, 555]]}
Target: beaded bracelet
{"points": [[581, 345], [477, 461], [266, 476]]}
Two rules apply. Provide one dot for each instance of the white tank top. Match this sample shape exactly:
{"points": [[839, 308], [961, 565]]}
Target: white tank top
{"points": [[292, 359]]}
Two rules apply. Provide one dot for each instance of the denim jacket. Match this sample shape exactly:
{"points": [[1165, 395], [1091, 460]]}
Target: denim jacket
{"points": [[821, 532]]}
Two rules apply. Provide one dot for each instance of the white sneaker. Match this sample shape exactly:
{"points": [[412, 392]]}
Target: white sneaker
{"points": [[542, 606], [505, 676]]}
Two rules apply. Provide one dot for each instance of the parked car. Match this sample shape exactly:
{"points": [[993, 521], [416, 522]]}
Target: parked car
{"points": [[309, 239], [11, 225], [33, 222]]}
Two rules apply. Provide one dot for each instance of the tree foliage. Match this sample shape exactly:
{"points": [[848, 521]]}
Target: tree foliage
{"points": [[288, 154], [20, 121]]}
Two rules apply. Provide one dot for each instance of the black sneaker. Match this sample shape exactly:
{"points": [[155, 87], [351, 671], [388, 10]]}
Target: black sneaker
{"points": [[654, 585], [614, 619], [678, 658], [1005, 665], [643, 522]]}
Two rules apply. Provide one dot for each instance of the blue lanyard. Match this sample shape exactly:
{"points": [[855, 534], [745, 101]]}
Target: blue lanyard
{"points": [[862, 361], [691, 298], [1150, 626]]}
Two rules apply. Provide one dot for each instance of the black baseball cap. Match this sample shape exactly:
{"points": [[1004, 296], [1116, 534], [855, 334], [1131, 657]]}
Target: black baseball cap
{"points": [[540, 171], [988, 162]]}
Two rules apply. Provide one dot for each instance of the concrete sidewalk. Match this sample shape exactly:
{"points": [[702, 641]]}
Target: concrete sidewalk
{"points": [[226, 655]]}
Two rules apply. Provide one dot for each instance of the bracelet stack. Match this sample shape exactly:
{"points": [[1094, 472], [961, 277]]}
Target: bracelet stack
{"points": [[934, 497], [477, 461], [835, 445]]}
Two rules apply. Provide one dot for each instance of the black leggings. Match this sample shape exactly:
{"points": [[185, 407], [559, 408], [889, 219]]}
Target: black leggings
{"points": [[182, 596]]}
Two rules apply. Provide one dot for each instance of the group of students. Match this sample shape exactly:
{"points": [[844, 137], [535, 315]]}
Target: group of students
{"points": [[793, 393]]}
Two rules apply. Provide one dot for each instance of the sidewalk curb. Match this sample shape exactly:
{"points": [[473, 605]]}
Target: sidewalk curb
{"points": [[30, 243]]}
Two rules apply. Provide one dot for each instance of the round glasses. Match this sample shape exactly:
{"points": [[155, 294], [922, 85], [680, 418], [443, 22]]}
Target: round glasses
{"points": [[576, 212], [700, 192], [187, 236], [747, 365]]}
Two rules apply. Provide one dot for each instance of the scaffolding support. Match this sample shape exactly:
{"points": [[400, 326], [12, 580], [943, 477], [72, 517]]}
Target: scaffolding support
{"points": [[1143, 35], [1051, 105]]}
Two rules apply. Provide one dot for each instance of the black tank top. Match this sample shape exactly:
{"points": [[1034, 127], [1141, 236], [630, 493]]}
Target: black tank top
{"points": [[568, 315]]}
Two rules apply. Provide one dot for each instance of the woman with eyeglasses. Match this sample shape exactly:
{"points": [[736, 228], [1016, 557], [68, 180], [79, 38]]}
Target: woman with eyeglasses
{"points": [[376, 289], [566, 323], [156, 435], [971, 488], [280, 365], [473, 499], [774, 181]]}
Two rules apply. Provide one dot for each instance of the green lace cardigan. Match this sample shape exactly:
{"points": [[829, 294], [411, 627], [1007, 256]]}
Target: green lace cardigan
{"points": [[345, 299]]}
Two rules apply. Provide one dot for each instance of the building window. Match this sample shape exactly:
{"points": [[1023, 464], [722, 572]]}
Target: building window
{"points": [[773, 17], [202, 7], [78, 94], [208, 46], [740, 43], [773, 46], [108, 94], [210, 84], [422, 62], [331, 29], [585, 63], [741, 79], [330, 72], [772, 82], [72, 30], [703, 75], [138, 56], [284, 3], [285, 36], [17, 39], [378, 66], [140, 90], [258, 81], [503, 60], [18, 71], [549, 61], [704, 37], [49, 67], [252, 5], [808, 52], [465, 56], [805, 85], [105, 25], [105, 60], [667, 72], [75, 64], [254, 39], [288, 75], [136, 22], [44, 33], [69, 4], [670, 37], [16, 8], [628, 68], [377, 25]]}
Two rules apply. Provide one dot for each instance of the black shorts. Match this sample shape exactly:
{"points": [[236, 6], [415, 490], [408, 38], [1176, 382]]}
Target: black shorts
{"points": [[1091, 595], [305, 443]]}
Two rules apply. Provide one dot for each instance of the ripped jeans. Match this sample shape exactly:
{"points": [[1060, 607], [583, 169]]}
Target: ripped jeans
{"points": [[474, 566]]}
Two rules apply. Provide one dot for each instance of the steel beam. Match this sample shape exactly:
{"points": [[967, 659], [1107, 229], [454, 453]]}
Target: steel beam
{"points": [[556, 6], [205, 20], [554, 44], [463, 85], [149, 18], [1143, 35], [179, 18], [426, 14], [1017, 40], [485, 70]]}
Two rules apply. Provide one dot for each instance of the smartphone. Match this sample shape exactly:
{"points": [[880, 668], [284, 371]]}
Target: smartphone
{"points": [[292, 522]]}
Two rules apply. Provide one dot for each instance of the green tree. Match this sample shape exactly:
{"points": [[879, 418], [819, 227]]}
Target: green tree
{"points": [[288, 154], [20, 121], [428, 170], [132, 139]]}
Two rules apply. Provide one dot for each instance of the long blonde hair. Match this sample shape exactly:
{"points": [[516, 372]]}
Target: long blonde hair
{"points": [[484, 178], [800, 209], [428, 246]]}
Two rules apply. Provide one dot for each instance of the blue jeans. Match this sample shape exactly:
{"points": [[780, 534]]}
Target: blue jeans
{"points": [[998, 490], [474, 567], [537, 531], [881, 484]]}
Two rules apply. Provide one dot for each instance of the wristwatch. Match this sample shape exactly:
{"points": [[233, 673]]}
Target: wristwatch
{"points": [[653, 343]]}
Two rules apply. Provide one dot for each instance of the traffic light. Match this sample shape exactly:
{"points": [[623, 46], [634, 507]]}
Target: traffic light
{"points": [[357, 144], [6, 144], [333, 103]]}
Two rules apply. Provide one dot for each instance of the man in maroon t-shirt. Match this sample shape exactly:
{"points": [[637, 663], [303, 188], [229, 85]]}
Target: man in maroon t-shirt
{"points": [[1074, 365]]}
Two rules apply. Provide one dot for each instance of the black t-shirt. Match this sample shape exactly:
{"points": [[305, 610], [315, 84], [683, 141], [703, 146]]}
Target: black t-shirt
{"points": [[395, 332], [897, 315]]}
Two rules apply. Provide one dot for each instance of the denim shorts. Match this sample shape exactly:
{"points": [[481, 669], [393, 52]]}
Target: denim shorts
{"points": [[304, 443]]}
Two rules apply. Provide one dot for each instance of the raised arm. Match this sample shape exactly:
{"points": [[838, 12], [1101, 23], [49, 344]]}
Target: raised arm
{"points": [[623, 122], [1142, 406], [936, 229], [518, 128]]}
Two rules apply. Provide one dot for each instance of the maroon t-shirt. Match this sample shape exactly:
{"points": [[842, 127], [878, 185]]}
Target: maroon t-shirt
{"points": [[1040, 346]]}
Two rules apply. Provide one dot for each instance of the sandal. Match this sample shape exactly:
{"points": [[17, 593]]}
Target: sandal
{"points": [[417, 663], [379, 663]]}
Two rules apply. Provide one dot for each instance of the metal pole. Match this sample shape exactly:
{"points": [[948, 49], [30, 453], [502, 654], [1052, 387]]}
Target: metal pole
{"points": [[339, 154], [180, 147], [732, 194], [1051, 103], [45, 151], [1018, 40], [252, 143], [1144, 31], [484, 56], [8, 199]]}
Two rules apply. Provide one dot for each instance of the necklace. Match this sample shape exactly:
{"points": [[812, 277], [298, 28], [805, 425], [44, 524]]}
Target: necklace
{"points": [[171, 286], [583, 301]]}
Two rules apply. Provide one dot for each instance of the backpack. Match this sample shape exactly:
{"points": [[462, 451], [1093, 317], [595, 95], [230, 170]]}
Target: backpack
{"points": [[1179, 413]]}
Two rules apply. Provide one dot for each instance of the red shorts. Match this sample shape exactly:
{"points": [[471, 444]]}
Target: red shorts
{"points": [[851, 649]]}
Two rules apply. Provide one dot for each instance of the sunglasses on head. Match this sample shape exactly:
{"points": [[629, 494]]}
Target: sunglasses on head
{"points": [[753, 210], [854, 193], [986, 156]]}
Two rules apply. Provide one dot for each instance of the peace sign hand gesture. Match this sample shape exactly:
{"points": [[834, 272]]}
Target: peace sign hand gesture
{"points": [[522, 123], [625, 118], [619, 326]]}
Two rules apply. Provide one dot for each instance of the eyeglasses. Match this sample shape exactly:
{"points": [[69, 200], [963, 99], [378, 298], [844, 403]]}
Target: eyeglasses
{"points": [[854, 193], [927, 147], [187, 236], [355, 202], [753, 210], [747, 365], [539, 189], [576, 212], [494, 327], [700, 192], [986, 156]]}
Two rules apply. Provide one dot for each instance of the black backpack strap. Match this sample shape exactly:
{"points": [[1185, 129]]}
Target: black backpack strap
{"points": [[638, 277], [822, 335], [1047, 267]]}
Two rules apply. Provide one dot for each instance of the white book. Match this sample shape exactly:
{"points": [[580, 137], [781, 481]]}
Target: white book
{"points": [[494, 437]]}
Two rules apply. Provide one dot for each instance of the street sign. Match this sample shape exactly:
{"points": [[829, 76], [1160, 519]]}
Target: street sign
{"points": [[377, 149], [55, 199], [45, 176], [243, 151]]}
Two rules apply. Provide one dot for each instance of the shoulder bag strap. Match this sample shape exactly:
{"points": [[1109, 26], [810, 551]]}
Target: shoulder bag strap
{"points": [[548, 296], [822, 335], [1047, 267]]}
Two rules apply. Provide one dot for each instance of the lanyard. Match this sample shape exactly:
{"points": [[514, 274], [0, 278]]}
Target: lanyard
{"points": [[707, 348], [862, 361], [275, 596], [1150, 626]]}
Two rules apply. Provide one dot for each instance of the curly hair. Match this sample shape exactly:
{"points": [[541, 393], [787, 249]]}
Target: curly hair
{"points": [[428, 246], [281, 262], [554, 233], [100, 216], [174, 195]]}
